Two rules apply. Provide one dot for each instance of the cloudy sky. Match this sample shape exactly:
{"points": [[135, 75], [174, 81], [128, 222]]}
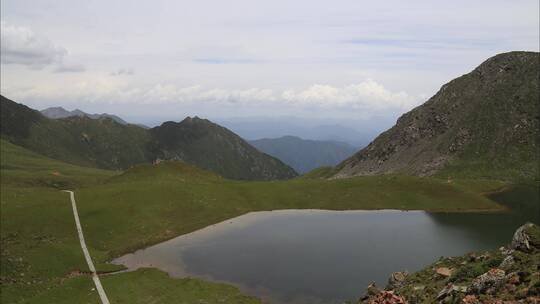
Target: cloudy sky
{"points": [[321, 59]]}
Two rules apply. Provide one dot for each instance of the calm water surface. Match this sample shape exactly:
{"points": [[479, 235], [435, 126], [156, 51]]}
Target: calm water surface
{"points": [[315, 256]]}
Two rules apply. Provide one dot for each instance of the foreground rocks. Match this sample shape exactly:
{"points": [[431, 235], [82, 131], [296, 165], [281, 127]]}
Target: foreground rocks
{"points": [[505, 276]]}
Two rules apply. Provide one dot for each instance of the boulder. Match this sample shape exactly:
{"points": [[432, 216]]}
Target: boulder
{"points": [[444, 271], [488, 282], [521, 239], [450, 290], [470, 299]]}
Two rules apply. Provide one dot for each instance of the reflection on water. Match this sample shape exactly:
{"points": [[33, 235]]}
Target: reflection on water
{"points": [[314, 256]]}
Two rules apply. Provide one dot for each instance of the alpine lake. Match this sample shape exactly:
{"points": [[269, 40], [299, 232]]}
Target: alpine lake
{"points": [[318, 256]]}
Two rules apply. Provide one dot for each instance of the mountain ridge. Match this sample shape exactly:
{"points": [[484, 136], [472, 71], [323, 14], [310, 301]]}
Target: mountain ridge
{"points": [[60, 112], [188, 141], [105, 143], [482, 124]]}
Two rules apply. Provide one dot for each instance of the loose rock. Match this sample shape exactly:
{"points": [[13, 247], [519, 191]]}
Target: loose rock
{"points": [[470, 299], [444, 271], [387, 297]]}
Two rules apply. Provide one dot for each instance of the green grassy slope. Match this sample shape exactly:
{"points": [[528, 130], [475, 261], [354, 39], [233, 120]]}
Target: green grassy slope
{"points": [[101, 143], [78, 140], [171, 202], [23, 168], [484, 124], [104, 143], [151, 203], [41, 258], [38, 243], [213, 147], [142, 287]]}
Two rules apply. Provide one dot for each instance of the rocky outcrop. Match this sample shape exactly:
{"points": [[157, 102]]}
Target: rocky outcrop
{"points": [[508, 275], [486, 119], [523, 238], [488, 282], [397, 279]]}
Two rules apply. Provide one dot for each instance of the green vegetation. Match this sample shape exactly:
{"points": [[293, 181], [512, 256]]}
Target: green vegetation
{"points": [[39, 245], [467, 274], [107, 144], [144, 286], [171, 204], [21, 167], [478, 130], [483, 124], [41, 258], [319, 173], [212, 147]]}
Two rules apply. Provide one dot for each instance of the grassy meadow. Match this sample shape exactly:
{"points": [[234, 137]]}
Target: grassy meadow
{"points": [[42, 262]]}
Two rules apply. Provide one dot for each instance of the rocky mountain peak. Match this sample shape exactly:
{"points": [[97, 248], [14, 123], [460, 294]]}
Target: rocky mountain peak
{"points": [[483, 123]]}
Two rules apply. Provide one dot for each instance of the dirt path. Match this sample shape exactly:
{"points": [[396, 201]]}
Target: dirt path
{"points": [[95, 277]]}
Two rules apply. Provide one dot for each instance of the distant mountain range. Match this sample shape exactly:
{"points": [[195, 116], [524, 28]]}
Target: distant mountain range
{"points": [[483, 124], [104, 143], [304, 155], [254, 128], [59, 112]]}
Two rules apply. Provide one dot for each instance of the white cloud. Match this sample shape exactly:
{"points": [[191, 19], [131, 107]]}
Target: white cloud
{"points": [[367, 97], [123, 72], [20, 45], [367, 94], [69, 68]]}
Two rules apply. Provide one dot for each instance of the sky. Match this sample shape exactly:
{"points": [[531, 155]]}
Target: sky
{"points": [[327, 60]]}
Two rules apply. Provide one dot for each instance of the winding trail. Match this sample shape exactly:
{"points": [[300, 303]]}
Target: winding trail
{"points": [[95, 277]]}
